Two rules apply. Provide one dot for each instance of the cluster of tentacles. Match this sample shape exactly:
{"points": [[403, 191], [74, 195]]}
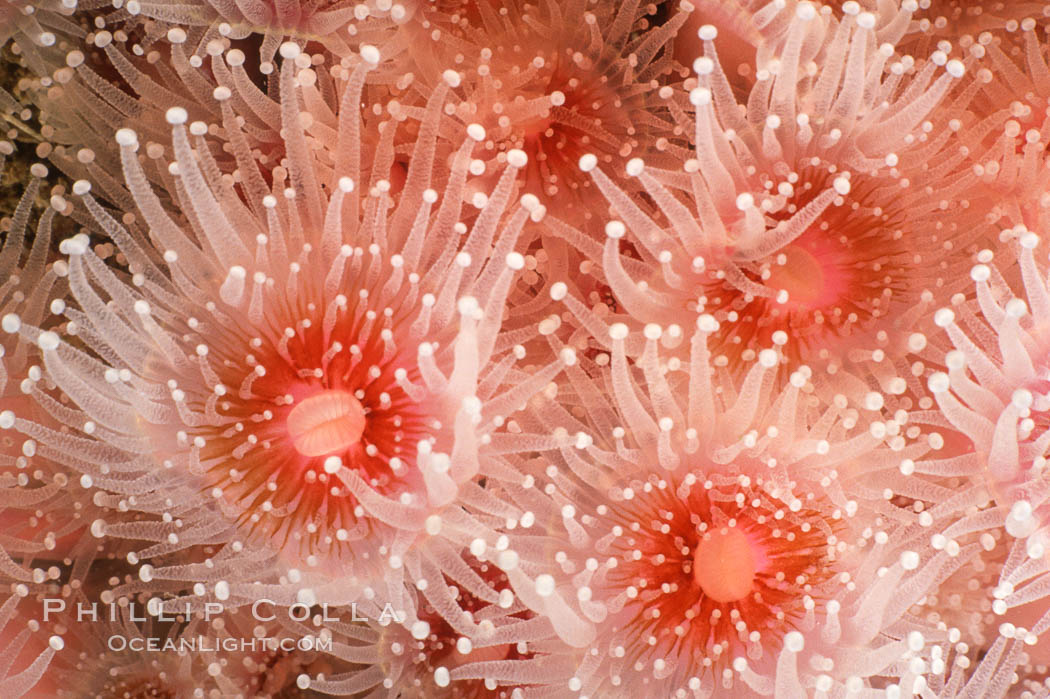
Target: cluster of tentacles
{"points": [[525, 348]]}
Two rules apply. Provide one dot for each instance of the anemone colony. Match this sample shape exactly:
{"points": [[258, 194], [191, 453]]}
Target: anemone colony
{"points": [[559, 348]]}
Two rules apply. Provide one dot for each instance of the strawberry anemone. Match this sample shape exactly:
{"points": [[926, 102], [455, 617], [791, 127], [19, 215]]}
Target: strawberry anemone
{"points": [[699, 527], [752, 32], [995, 388], [44, 632], [790, 220], [995, 392], [112, 79], [712, 567], [136, 678], [849, 267], [42, 517], [119, 655], [990, 645], [317, 408], [558, 81]]}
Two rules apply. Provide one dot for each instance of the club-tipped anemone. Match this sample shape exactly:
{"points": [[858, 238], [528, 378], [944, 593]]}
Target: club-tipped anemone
{"points": [[110, 80], [49, 506], [41, 636], [742, 31], [45, 516], [133, 675], [469, 653], [993, 391], [114, 79], [526, 348], [72, 531], [793, 216], [703, 535], [557, 81], [54, 495], [257, 651], [710, 567], [316, 407]]}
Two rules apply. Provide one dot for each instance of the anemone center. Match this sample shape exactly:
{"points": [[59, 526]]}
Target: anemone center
{"points": [[326, 423], [801, 275], [724, 565]]}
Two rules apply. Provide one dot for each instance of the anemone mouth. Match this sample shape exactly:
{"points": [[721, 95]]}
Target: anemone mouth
{"points": [[354, 415], [327, 423], [591, 117], [814, 274], [712, 563], [725, 565]]}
